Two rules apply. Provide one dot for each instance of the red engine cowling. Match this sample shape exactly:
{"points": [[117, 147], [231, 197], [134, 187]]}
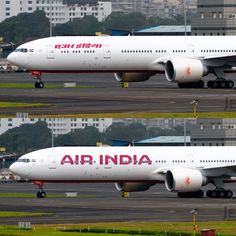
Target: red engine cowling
{"points": [[133, 186], [132, 77], [184, 180], [185, 70]]}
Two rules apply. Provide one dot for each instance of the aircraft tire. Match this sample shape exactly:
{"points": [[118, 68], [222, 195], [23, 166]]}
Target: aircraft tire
{"points": [[198, 194], [41, 85], [215, 84], [230, 84], [36, 85], [222, 193], [209, 84], [39, 195], [223, 84], [201, 84]]}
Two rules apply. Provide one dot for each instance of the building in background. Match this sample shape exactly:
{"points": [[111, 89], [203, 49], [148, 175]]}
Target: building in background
{"points": [[157, 8], [165, 141], [214, 132], [215, 18], [59, 125], [162, 123], [61, 11]]}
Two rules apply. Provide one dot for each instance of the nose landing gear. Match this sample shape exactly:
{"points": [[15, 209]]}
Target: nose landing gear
{"points": [[39, 83], [41, 193]]}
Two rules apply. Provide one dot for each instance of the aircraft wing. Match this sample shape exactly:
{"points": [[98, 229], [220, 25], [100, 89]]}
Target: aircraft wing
{"points": [[222, 60], [211, 171], [226, 60], [223, 170]]}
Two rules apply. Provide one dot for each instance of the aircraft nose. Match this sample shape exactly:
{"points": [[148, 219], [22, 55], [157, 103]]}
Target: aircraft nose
{"points": [[13, 168], [18, 59], [13, 58]]}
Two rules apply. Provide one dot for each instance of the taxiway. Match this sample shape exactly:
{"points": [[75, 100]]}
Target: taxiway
{"points": [[106, 96], [102, 203]]}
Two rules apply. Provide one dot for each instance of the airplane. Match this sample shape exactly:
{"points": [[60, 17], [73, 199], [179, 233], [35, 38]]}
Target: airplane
{"points": [[184, 59], [184, 170]]}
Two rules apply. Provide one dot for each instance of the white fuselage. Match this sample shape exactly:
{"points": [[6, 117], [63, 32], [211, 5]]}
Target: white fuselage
{"points": [[118, 54], [111, 164]]}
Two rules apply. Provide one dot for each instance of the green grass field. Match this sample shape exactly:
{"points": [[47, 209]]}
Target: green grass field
{"points": [[149, 115], [21, 105], [225, 228]]}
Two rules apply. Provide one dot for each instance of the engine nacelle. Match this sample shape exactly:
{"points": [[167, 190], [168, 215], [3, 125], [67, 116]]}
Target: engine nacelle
{"points": [[184, 180], [184, 70], [133, 186], [132, 77]]}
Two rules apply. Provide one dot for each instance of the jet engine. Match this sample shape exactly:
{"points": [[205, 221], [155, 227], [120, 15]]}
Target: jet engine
{"points": [[184, 180], [133, 186], [184, 70], [132, 77]]}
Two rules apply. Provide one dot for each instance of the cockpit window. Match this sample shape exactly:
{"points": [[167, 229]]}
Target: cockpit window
{"points": [[23, 160], [21, 50]]}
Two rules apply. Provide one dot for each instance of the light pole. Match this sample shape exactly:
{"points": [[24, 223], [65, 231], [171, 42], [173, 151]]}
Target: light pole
{"points": [[185, 18], [50, 17], [194, 213], [52, 132]]}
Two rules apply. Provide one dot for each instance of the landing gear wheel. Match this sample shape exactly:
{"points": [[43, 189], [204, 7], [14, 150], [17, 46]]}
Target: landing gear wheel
{"points": [[219, 193], [39, 84], [198, 194], [230, 84], [222, 84], [41, 194], [201, 84], [198, 84], [214, 84]]}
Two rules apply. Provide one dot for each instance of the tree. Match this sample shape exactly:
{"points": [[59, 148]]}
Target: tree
{"points": [[131, 132], [90, 135], [25, 27], [119, 20], [87, 25], [26, 138]]}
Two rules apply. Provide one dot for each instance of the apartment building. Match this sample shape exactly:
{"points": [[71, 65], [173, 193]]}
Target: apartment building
{"points": [[160, 8], [215, 18], [60, 11], [214, 132], [58, 125]]}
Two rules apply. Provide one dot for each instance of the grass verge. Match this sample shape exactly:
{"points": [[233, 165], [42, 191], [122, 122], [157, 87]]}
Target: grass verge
{"points": [[21, 105], [17, 214], [148, 115], [223, 228]]}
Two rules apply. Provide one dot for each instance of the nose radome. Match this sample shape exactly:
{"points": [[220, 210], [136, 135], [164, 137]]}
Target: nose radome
{"points": [[10, 57], [13, 168]]}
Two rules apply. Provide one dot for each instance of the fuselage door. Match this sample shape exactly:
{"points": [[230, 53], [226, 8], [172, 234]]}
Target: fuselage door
{"points": [[107, 52], [191, 50], [50, 52], [52, 162]]}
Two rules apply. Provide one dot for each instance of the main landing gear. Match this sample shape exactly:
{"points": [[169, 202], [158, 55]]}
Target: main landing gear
{"points": [[41, 193], [198, 84], [198, 194], [39, 83], [221, 81], [219, 193]]}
